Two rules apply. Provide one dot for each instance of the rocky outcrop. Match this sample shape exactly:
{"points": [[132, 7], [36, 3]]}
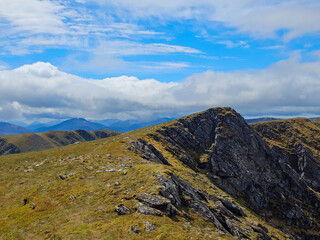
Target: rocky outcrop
{"points": [[298, 140], [181, 193], [148, 151], [157, 202], [235, 158]]}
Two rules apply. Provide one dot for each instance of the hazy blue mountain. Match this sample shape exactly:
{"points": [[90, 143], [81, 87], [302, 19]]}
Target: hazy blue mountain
{"points": [[73, 124], [314, 119], [129, 125], [11, 129], [262, 119], [36, 125]]}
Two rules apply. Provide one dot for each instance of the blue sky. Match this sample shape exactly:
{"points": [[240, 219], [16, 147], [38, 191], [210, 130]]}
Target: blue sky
{"points": [[143, 59]]}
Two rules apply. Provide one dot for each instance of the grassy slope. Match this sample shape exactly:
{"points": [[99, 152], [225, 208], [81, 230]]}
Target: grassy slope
{"points": [[51, 139], [34, 176]]}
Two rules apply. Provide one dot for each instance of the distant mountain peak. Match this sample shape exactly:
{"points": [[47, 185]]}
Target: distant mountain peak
{"points": [[73, 124], [11, 129]]}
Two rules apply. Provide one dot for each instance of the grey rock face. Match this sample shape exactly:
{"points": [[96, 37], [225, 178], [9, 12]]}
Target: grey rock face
{"points": [[301, 158], [157, 202], [239, 162], [122, 210], [181, 193], [144, 209], [148, 151]]}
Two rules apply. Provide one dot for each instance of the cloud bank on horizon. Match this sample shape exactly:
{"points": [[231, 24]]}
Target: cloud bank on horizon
{"points": [[61, 59], [40, 90]]}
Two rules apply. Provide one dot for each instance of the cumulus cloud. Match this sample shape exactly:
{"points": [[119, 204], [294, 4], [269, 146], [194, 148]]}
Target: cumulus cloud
{"points": [[288, 87]]}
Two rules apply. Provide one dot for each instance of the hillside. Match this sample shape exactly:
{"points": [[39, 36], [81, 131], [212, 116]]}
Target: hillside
{"points": [[40, 141], [11, 129], [299, 139], [205, 176], [73, 124]]}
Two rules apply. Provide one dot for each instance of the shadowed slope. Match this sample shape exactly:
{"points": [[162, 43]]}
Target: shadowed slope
{"points": [[299, 140]]}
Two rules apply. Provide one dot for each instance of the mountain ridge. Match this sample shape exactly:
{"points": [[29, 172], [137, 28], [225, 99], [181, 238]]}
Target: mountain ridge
{"points": [[207, 175], [30, 142]]}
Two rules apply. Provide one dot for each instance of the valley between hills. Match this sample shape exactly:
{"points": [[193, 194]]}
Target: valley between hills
{"points": [[208, 175]]}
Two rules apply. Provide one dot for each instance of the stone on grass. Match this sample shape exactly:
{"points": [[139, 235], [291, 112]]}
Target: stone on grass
{"points": [[150, 226], [134, 228], [122, 210]]}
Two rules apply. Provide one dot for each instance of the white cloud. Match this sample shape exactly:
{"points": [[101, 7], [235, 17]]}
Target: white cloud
{"points": [[286, 87], [127, 48], [231, 44], [107, 56], [36, 25], [260, 18], [167, 65], [33, 16]]}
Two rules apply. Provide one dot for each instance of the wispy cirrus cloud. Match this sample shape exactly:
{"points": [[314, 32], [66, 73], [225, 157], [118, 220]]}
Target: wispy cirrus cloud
{"points": [[261, 19], [38, 25]]}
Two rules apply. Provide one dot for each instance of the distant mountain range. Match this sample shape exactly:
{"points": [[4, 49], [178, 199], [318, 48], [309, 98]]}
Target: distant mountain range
{"points": [[11, 129], [263, 119], [129, 125], [81, 123]]}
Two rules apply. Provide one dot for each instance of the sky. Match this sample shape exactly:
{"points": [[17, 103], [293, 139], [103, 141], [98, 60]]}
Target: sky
{"points": [[129, 59]]}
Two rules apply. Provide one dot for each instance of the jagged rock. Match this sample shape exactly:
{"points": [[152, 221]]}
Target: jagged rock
{"points": [[298, 150], [135, 229], [33, 205], [158, 202], [263, 231], [122, 210], [148, 151], [294, 213], [175, 187], [233, 207], [150, 226], [155, 201], [144, 209], [240, 163]]}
